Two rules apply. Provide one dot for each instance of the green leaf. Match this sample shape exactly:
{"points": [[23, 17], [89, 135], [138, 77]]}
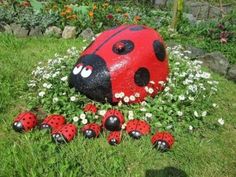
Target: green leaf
{"points": [[37, 6]]}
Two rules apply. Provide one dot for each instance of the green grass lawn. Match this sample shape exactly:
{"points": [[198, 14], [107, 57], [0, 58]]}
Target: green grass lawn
{"points": [[207, 152]]}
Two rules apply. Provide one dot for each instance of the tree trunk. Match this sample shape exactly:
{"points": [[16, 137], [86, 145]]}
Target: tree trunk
{"points": [[177, 14]]}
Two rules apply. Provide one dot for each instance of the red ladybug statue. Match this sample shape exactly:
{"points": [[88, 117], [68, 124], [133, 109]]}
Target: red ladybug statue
{"points": [[53, 122], [120, 65], [114, 138], [25, 122], [113, 120], [137, 128], [91, 130], [162, 141], [90, 108], [64, 134]]}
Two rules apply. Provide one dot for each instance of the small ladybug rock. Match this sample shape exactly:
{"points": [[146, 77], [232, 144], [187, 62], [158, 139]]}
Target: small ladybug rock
{"points": [[137, 128], [90, 108], [113, 120], [91, 130], [64, 134], [24, 122], [162, 141], [53, 122], [121, 60], [114, 138]]}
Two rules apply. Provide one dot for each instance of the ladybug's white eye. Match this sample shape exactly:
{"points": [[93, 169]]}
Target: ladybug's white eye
{"points": [[87, 71], [77, 69]]}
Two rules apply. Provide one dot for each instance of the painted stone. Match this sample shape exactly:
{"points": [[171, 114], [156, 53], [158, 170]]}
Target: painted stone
{"points": [[162, 141], [123, 64], [25, 122]]}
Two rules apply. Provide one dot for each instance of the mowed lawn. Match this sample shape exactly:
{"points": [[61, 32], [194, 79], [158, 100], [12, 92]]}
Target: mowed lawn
{"points": [[207, 152]]}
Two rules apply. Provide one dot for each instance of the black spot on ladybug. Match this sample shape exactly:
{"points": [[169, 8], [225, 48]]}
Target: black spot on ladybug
{"points": [[159, 50], [142, 77], [123, 47], [28, 122], [137, 28], [98, 85]]}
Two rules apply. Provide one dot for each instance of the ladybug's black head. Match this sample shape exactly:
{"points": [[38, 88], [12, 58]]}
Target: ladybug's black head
{"points": [[18, 126], [91, 77]]}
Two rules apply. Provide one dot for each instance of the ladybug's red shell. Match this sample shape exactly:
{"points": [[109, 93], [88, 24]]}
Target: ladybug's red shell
{"points": [[90, 108], [25, 122], [120, 64], [113, 120], [163, 137], [137, 127], [91, 130], [114, 138], [65, 133], [53, 121]]}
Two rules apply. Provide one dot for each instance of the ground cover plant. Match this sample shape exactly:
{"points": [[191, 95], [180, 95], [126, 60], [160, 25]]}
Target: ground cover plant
{"points": [[188, 85]]}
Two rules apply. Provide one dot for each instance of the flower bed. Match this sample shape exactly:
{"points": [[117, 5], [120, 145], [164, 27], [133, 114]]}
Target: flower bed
{"points": [[95, 15], [183, 104]]}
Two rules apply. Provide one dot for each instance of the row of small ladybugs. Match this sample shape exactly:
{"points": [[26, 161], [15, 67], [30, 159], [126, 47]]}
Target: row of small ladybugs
{"points": [[111, 121]]}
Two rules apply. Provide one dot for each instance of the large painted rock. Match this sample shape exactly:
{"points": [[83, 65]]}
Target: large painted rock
{"points": [[123, 64]]}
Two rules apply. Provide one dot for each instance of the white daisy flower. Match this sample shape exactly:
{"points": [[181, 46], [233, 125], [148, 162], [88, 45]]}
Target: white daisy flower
{"points": [[190, 127], [167, 89], [102, 112], [122, 94], [84, 121], [131, 113], [75, 119], [73, 98], [120, 103], [204, 113], [196, 114], [130, 117], [181, 97], [132, 98], [143, 103], [169, 127], [96, 117], [45, 85], [143, 109], [137, 94], [150, 90], [41, 94], [82, 116], [148, 115], [55, 99], [214, 105], [152, 82], [123, 126], [146, 88], [117, 95], [126, 99], [64, 78], [180, 113], [221, 121]]}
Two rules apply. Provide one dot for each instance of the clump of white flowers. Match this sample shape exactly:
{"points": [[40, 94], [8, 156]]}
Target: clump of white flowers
{"points": [[185, 97]]}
